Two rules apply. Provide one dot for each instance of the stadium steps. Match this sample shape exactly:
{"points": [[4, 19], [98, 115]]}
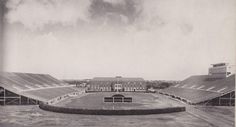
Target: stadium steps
{"points": [[51, 93], [46, 79], [25, 82], [38, 78], [54, 80], [11, 82]]}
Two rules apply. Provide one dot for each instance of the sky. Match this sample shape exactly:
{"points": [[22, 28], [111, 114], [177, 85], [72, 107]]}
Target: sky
{"points": [[153, 39]]}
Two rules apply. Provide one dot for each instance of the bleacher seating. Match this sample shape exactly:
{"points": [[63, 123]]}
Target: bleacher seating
{"points": [[50, 93], [196, 89], [42, 87], [11, 81], [28, 81]]}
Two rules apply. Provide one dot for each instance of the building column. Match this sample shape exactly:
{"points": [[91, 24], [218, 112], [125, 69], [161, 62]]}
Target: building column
{"points": [[230, 99], [28, 101], [20, 100], [219, 101], [4, 96]]}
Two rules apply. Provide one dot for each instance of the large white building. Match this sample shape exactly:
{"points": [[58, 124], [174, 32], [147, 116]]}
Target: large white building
{"points": [[121, 84]]}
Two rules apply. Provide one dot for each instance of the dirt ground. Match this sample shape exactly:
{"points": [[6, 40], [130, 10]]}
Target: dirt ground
{"points": [[32, 116]]}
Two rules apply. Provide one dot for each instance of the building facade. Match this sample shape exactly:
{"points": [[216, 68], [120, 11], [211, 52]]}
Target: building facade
{"points": [[117, 84]]}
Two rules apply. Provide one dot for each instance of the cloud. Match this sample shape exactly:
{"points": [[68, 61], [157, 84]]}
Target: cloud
{"points": [[115, 1], [38, 14], [175, 38], [115, 11], [35, 14]]}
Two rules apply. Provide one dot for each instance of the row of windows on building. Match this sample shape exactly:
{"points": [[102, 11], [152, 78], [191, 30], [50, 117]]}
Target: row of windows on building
{"points": [[116, 88], [123, 85]]}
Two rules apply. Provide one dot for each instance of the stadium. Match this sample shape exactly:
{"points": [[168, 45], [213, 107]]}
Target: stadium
{"points": [[117, 63], [196, 95]]}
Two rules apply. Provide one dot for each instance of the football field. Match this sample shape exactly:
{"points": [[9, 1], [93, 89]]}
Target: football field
{"points": [[95, 101]]}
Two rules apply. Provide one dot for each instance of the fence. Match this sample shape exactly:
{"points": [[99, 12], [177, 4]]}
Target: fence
{"points": [[109, 112]]}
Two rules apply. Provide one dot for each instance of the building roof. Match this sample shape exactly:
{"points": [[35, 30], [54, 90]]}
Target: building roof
{"points": [[117, 79], [219, 64]]}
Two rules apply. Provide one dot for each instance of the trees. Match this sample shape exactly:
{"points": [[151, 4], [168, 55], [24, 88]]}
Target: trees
{"points": [[158, 84]]}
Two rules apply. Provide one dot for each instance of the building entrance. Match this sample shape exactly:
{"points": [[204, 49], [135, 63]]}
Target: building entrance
{"points": [[118, 87], [118, 98]]}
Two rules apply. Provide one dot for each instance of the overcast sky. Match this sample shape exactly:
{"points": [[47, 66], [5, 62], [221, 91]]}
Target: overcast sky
{"points": [[153, 39]]}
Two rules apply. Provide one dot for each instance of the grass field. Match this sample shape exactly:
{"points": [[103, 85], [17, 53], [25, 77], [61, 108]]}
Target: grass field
{"points": [[95, 101]]}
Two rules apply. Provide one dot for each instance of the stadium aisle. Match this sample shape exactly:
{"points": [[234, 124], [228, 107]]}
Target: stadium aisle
{"points": [[214, 120]]}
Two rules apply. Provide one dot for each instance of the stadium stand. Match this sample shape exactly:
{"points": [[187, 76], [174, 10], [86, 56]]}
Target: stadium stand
{"points": [[28, 88], [202, 89], [47, 94]]}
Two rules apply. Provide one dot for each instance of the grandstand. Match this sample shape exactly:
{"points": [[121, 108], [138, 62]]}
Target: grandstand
{"points": [[28, 88], [205, 90]]}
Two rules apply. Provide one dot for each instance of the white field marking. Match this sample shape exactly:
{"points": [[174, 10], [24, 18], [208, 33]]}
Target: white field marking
{"points": [[39, 86], [30, 87], [210, 88], [192, 86], [221, 89], [201, 87], [176, 85], [27, 86], [184, 85], [18, 88]]}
